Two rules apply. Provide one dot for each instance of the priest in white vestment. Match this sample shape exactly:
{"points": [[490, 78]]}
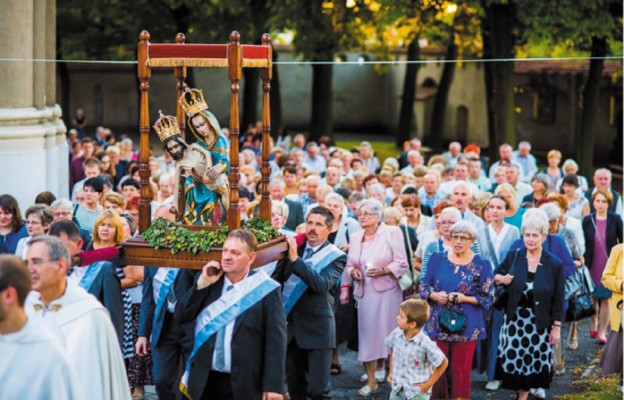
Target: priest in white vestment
{"points": [[78, 319], [34, 363]]}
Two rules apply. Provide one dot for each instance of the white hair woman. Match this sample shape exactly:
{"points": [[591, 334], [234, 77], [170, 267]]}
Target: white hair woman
{"points": [[279, 216], [447, 218], [533, 310], [461, 282], [376, 261]]}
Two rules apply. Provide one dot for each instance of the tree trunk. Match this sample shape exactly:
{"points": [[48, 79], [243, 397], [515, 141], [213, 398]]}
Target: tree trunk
{"points": [[406, 116], [276, 101], [590, 107], [65, 86], [251, 78], [441, 100], [502, 39], [488, 74], [322, 98]]}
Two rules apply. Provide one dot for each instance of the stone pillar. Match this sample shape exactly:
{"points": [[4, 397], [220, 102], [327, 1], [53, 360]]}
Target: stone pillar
{"points": [[33, 150]]}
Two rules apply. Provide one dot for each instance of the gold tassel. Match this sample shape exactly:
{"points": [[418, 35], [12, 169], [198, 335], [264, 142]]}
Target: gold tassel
{"points": [[187, 62], [256, 63]]}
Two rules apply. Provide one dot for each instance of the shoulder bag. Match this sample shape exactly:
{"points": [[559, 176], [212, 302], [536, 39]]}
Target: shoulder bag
{"points": [[501, 294], [405, 280], [580, 303]]}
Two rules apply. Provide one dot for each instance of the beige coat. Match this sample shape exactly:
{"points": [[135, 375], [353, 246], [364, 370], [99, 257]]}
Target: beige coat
{"points": [[612, 278]]}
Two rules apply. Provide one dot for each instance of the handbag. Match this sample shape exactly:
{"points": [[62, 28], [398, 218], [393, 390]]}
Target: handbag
{"points": [[575, 282], [501, 294], [581, 304], [452, 321], [405, 281]]}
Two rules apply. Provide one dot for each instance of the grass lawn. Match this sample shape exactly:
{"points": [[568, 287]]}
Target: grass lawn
{"points": [[383, 149]]}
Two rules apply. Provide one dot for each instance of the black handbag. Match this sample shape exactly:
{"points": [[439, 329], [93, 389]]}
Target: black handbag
{"points": [[452, 321], [581, 304], [501, 294]]}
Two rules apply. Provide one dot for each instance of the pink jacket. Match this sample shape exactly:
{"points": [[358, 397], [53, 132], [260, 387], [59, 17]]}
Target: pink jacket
{"points": [[389, 253]]}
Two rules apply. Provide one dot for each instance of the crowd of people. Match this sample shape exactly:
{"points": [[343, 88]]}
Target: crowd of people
{"points": [[428, 267]]}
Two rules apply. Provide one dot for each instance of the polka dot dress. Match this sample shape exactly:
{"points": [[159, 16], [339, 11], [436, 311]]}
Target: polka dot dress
{"points": [[524, 353]]}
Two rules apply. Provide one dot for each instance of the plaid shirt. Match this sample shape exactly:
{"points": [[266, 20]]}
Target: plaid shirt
{"points": [[425, 200], [413, 360]]}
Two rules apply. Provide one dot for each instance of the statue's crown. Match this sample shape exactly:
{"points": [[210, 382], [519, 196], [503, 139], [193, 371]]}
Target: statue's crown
{"points": [[192, 101], [166, 126]]}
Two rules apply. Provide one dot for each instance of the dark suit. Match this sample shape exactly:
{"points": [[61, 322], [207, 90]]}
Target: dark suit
{"points": [[548, 287], [171, 342], [613, 234], [311, 326], [258, 345], [295, 214], [106, 287]]}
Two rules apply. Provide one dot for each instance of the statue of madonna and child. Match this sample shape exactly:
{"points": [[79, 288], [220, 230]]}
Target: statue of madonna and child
{"points": [[203, 164]]}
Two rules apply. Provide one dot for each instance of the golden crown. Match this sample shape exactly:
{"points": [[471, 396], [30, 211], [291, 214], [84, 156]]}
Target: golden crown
{"points": [[166, 126], [192, 101]]}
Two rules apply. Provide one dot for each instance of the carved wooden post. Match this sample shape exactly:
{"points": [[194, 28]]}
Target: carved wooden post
{"points": [[144, 73], [234, 74], [265, 170], [180, 75]]}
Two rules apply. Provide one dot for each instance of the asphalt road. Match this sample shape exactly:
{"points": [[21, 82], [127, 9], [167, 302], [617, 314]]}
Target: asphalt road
{"points": [[346, 385]]}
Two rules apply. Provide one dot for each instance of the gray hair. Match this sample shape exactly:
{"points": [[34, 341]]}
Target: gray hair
{"points": [[535, 218], [552, 210], [599, 170], [375, 206], [392, 162], [335, 196], [57, 249], [454, 211], [524, 143], [463, 226], [543, 179], [570, 163], [62, 203], [378, 188], [464, 184], [280, 205], [277, 182]]}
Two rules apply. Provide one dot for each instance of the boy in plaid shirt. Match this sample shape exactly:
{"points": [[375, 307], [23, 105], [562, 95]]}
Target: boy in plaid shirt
{"points": [[416, 362]]}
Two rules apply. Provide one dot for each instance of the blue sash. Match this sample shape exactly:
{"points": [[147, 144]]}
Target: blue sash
{"points": [[166, 285], [225, 310], [295, 287], [91, 273]]}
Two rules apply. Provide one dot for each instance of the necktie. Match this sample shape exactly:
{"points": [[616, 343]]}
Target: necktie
{"points": [[308, 253], [220, 344]]}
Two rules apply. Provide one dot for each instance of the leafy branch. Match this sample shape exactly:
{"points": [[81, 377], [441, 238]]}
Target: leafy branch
{"points": [[171, 235]]}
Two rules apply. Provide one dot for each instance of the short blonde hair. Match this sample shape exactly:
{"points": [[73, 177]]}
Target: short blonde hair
{"points": [[554, 153]]}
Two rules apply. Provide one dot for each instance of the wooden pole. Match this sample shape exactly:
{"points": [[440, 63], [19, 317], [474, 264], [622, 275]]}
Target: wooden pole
{"points": [[144, 73], [265, 170], [234, 74], [180, 75]]}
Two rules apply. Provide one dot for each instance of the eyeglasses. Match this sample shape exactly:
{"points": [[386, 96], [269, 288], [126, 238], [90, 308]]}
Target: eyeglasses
{"points": [[61, 213], [447, 222], [531, 235], [461, 238], [366, 214], [38, 262]]}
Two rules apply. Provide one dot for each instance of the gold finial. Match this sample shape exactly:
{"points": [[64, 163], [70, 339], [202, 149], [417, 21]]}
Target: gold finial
{"points": [[166, 126], [192, 101]]}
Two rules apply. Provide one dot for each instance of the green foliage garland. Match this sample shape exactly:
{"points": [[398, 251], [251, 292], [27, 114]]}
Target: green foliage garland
{"points": [[166, 234]]}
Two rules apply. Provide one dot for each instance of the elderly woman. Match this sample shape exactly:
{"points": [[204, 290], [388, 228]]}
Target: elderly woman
{"points": [[514, 214], [344, 226], [429, 236], [376, 260], [447, 218], [38, 220], [461, 282], [570, 167], [279, 216], [602, 230], [573, 224], [612, 279], [533, 310], [495, 240], [578, 205], [12, 228], [540, 184], [114, 202]]}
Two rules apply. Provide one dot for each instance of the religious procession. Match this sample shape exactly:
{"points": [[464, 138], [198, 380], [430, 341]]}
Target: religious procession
{"points": [[214, 255]]}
